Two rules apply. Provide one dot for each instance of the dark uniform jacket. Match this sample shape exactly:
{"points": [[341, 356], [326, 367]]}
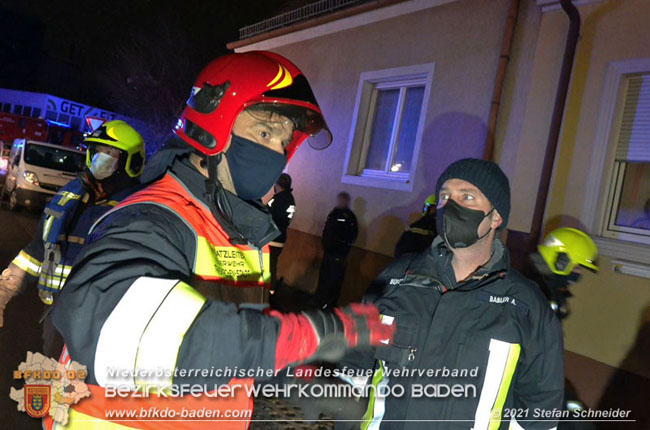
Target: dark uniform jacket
{"points": [[340, 232], [418, 237], [282, 207], [495, 329]]}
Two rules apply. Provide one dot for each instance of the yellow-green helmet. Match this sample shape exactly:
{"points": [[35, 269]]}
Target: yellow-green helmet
{"points": [[120, 135], [429, 202], [565, 248]]}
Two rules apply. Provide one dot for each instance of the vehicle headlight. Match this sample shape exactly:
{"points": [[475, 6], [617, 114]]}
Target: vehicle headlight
{"points": [[30, 177]]}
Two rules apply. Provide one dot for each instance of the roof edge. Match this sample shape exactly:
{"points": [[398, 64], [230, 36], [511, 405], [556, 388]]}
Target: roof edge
{"points": [[313, 22]]}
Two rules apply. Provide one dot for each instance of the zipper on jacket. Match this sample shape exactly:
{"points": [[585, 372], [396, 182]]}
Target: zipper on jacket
{"points": [[261, 257]]}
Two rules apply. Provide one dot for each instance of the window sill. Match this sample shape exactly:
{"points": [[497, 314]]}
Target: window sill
{"points": [[385, 183], [620, 249], [632, 269]]}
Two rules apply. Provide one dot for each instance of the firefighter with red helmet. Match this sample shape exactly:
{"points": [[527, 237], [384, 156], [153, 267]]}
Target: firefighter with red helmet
{"points": [[138, 308]]}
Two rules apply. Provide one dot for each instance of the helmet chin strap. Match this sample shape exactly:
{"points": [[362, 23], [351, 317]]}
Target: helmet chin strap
{"points": [[92, 185], [218, 201]]}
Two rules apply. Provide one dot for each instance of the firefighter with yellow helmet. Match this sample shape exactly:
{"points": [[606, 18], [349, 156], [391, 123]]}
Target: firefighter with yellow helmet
{"points": [[558, 261], [557, 264], [114, 161]]}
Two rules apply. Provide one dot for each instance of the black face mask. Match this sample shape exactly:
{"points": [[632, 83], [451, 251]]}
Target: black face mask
{"points": [[458, 225], [254, 168]]}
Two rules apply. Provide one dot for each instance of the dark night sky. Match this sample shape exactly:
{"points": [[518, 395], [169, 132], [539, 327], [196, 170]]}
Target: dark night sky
{"points": [[102, 52]]}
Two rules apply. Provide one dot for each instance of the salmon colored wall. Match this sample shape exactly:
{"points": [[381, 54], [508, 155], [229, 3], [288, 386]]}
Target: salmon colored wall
{"points": [[609, 309]]}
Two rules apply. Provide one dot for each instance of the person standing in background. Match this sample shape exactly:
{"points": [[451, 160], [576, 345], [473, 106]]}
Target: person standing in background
{"points": [[340, 232], [282, 207], [421, 233]]}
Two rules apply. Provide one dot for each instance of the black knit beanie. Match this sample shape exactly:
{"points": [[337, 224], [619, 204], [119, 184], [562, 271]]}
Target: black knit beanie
{"points": [[487, 177]]}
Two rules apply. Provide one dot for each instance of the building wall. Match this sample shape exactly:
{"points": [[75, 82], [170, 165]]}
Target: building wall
{"points": [[610, 310], [463, 39]]}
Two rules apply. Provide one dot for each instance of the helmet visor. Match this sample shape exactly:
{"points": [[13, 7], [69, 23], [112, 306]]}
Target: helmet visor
{"points": [[302, 119]]}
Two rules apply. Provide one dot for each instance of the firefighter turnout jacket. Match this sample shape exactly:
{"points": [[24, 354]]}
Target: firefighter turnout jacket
{"points": [[492, 339], [418, 237], [61, 234], [139, 300]]}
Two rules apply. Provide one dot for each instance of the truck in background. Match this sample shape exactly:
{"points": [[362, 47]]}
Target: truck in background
{"points": [[37, 170], [13, 126]]}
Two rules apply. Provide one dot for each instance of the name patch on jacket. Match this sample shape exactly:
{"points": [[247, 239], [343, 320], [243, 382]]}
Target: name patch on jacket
{"points": [[484, 296], [231, 264]]}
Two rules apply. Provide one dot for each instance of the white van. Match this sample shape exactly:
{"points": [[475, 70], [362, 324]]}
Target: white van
{"points": [[37, 171]]}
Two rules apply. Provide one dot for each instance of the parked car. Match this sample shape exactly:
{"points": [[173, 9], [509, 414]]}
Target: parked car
{"points": [[4, 161], [37, 171]]}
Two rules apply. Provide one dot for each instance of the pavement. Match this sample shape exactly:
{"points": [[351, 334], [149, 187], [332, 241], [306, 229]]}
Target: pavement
{"points": [[21, 331]]}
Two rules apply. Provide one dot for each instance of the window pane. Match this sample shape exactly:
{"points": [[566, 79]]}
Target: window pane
{"points": [[634, 205], [382, 129], [408, 130], [75, 122]]}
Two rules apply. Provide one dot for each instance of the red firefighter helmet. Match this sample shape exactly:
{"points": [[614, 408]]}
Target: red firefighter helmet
{"points": [[234, 82]]}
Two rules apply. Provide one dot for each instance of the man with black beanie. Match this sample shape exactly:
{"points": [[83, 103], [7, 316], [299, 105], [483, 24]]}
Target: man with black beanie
{"points": [[480, 336]]}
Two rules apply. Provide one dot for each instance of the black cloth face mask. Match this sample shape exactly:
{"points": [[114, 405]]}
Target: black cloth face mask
{"points": [[254, 168], [458, 225]]}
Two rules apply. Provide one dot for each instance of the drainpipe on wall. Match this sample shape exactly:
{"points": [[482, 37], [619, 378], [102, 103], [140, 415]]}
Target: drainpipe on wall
{"points": [[504, 58], [556, 121]]}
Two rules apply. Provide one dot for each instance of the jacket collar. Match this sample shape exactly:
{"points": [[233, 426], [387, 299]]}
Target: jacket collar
{"points": [[439, 258], [251, 224]]}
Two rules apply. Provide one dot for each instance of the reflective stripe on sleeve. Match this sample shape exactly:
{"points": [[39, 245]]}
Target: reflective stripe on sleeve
{"points": [[66, 196], [54, 282], [27, 263], [62, 269], [145, 330], [501, 366], [47, 226], [163, 336], [117, 346]]}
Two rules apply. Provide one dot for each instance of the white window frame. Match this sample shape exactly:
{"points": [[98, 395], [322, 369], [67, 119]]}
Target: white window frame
{"points": [[358, 142], [599, 188]]}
